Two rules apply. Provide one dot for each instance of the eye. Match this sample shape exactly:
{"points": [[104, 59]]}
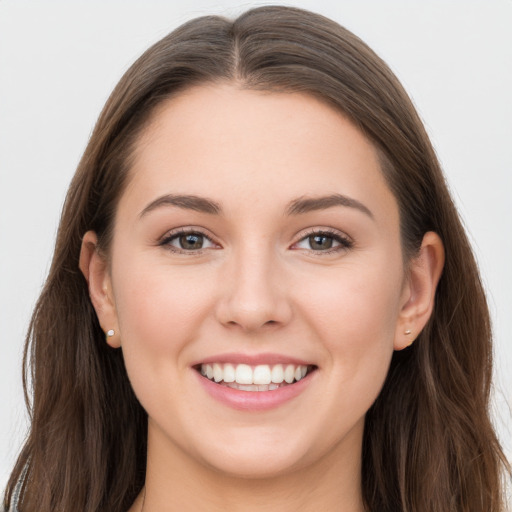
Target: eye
{"points": [[322, 241], [187, 241]]}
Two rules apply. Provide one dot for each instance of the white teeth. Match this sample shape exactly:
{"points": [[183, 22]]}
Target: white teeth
{"points": [[262, 377], [229, 373], [253, 387], [289, 373], [243, 374], [262, 374], [247, 387], [277, 374], [218, 374]]}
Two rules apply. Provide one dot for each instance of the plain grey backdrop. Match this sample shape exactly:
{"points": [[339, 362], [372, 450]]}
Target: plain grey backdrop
{"points": [[60, 60]]}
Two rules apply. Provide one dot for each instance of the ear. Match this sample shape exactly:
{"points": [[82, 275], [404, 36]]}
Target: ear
{"points": [[417, 300], [94, 267]]}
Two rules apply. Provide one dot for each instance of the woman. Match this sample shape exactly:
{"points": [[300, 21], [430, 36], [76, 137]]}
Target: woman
{"points": [[261, 296]]}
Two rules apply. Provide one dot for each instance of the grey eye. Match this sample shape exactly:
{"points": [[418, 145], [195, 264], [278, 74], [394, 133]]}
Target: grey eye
{"points": [[191, 241], [320, 242], [188, 241]]}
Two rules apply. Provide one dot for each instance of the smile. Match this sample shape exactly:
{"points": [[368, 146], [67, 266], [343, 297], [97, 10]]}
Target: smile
{"points": [[262, 377], [253, 385]]}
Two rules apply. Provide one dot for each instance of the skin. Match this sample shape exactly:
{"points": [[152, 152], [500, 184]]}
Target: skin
{"points": [[257, 286]]}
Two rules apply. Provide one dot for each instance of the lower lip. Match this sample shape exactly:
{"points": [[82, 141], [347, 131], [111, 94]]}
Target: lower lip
{"points": [[254, 400]]}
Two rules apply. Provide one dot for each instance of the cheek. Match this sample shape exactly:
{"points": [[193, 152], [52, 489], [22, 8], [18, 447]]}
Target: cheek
{"points": [[356, 323], [160, 312], [160, 309], [360, 302], [354, 313]]}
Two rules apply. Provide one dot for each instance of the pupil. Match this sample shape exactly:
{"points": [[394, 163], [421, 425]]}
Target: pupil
{"points": [[191, 241], [320, 242]]}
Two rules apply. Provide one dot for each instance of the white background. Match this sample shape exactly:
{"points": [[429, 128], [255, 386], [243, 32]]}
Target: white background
{"points": [[60, 60]]}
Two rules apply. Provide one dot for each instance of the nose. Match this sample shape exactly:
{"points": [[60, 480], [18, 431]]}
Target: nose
{"points": [[254, 294]]}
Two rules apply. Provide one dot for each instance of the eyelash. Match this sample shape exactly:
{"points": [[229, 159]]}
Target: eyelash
{"points": [[344, 242], [166, 241]]}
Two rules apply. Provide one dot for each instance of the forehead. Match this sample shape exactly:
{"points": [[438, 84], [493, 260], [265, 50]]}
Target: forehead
{"points": [[235, 144]]}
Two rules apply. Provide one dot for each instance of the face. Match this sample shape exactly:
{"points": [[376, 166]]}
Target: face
{"points": [[257, 243]]}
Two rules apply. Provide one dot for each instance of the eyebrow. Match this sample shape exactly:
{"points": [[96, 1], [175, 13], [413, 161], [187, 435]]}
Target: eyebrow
{"points": [[296, 207], [187, 202], [309, 204]]}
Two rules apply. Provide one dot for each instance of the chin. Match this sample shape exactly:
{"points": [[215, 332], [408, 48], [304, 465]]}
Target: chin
{"points": [[262, 453], [257, 464]]}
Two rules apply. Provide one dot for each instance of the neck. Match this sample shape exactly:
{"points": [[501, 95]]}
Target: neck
{"points": [[332, 483]]}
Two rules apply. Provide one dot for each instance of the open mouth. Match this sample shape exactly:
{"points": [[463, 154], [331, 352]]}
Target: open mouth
{"points": [[261, 377]]}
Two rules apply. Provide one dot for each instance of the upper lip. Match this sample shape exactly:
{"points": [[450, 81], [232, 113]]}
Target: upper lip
{"points": [[253, 359]]}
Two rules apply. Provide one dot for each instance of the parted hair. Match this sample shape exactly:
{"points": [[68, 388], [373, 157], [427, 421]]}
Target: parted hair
{"points": [[429, 444]]}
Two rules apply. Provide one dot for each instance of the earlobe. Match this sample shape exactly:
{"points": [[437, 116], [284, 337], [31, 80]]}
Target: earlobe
{"points": [[424, 273], [94, 267]]}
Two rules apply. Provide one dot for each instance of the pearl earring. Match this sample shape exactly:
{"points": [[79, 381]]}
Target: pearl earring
{"points": [[407, 332], [110, 333]]}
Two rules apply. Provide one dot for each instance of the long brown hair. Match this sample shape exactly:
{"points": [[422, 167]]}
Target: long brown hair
{"points": [[428, 442]]}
